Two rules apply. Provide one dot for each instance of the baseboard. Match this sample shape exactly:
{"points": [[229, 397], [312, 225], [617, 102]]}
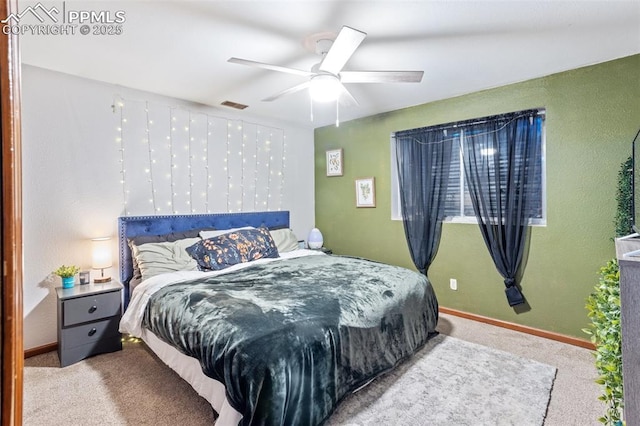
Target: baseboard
{"points": [[40, 350], [521, 328]]}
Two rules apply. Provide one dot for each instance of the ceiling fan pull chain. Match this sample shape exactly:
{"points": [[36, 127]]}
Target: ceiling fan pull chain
{"points": [[338, 112]]}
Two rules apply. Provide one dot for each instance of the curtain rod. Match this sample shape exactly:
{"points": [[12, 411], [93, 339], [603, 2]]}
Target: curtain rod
{"points": [[476, 121]]}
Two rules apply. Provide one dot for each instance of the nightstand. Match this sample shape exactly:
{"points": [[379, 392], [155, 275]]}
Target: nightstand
{"points": [[88, 320]]}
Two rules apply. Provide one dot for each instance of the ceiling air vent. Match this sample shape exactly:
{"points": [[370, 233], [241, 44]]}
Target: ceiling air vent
{"points": [[234, 105]]}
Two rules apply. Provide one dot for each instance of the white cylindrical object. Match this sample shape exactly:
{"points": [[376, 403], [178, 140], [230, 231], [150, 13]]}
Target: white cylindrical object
{"points": [[315, 239]]}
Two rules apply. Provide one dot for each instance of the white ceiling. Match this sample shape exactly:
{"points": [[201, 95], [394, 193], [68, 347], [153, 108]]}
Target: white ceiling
{"points": [[180, 48]]}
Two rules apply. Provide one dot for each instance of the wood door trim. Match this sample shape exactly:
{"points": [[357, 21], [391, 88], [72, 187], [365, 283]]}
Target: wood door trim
{"points": [[12, 318]]}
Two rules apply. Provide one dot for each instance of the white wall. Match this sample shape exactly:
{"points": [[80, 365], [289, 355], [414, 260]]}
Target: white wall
{"points": [[72, 188]]}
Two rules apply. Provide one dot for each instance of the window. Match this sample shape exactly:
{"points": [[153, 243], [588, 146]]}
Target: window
{"points": [[458, 208]]}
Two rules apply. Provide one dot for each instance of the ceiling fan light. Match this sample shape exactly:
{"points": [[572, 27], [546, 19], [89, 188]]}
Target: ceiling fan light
{"points": [[324, 88]]}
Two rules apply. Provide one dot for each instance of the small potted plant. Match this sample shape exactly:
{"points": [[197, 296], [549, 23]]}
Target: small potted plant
{"points": [[68, 275]]}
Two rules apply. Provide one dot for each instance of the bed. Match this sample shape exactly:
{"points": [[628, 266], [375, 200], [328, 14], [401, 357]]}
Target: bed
{"points": [[279, 340]]}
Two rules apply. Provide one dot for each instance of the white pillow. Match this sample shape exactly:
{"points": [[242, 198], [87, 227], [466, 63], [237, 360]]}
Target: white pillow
{"points": [[211, 234], [285, 240], [160, 258]]}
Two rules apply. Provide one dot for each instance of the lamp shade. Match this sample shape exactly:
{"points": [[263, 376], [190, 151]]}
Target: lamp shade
{"points": [[101, 253], [315, 239]]}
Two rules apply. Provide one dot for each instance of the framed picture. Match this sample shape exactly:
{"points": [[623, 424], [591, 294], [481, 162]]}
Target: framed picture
{"points": [[366, 192], [334, 162]]}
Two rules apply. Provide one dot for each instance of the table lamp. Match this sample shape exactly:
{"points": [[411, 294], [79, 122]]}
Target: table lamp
{"points": [[101, 257]]}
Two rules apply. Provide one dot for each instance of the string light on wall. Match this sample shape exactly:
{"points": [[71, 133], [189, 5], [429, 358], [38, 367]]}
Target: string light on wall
{"points": [[172, 120], [269, 172], [226, 166], [282, 167], [190, 156], [119, 104], [242, 163], [255, 170], [150, 151], [162, 165], [206, 166]]}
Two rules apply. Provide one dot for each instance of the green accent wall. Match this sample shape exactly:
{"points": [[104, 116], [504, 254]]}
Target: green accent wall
{"points": [[592, 115]]}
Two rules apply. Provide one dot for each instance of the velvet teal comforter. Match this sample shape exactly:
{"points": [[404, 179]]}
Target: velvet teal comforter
{"points": [[289, 339]]}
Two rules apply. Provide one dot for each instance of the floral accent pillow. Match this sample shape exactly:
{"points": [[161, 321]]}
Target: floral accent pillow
{"points": [[243, 245]]}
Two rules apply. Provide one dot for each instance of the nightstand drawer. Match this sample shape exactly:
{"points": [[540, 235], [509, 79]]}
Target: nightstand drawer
{"points": [[72, 355], [90, 333], [91, 308]]}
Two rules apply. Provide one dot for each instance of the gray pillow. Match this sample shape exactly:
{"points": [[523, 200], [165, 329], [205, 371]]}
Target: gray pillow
{"points": [[285, 240], [160, 258], [136, 277]]}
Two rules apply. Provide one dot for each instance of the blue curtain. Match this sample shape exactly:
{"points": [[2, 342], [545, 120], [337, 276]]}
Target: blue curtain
{"points": [[500, 166], [424, 160]]}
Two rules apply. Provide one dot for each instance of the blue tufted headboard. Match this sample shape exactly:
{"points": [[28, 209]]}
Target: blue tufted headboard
{"points": [[133, 226]]}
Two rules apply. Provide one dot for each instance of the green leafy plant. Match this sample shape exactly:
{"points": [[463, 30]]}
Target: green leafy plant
{"points": [[603, 307], [67, 271], [624, 198]]}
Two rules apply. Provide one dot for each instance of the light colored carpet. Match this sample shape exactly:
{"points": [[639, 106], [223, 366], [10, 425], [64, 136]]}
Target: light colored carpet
{"points": [[133, 387], [129, 387], [453, 382]]}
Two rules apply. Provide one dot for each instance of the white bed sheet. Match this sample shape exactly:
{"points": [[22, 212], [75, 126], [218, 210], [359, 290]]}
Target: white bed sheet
{"points": [[187, 367]]}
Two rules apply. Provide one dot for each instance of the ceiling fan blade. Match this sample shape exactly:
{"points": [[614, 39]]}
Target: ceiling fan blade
{"points": [[346, 98], [270, 67], [288, 91], [381, 76], [341, 50]]}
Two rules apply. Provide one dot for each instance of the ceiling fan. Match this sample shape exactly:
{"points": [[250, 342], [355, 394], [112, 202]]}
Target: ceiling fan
{"points": [[326, 78]]}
